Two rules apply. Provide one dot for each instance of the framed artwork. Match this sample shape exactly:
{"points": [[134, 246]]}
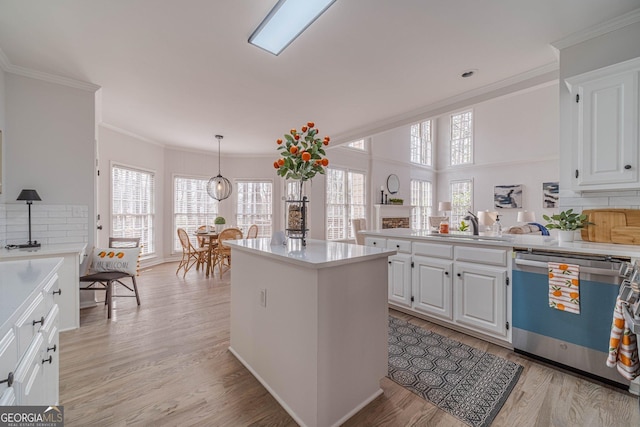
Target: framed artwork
{"points": [[550, 192], [507, 196]]}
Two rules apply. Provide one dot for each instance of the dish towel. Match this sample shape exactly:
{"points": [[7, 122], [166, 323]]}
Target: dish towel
{"points": [[541, 227], [564, 287], [623, 347]]}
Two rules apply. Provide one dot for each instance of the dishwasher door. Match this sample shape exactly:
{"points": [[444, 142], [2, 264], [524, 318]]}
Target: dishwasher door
{"points": [[578, 342]]}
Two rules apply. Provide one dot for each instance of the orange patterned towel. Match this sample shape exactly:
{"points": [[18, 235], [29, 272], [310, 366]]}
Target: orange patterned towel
{"points": [[564, 287], [623, 348]]}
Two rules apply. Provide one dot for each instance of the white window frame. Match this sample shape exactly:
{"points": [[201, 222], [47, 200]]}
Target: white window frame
{"points": [[422, 203], [262, 230], [209, 217], [458, 145], [148, 244], [422, 143], [355, 148], [350, 212], [459, 211]]}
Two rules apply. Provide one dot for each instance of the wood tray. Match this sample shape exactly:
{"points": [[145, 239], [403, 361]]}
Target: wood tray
{"points": [[612, 226]]}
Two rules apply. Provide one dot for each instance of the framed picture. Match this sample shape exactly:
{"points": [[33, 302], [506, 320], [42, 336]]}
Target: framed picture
{"points": [[550, 192], [507, 196]]}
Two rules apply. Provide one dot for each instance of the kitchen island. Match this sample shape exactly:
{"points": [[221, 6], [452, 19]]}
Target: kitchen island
{"points": [[311, 324]]}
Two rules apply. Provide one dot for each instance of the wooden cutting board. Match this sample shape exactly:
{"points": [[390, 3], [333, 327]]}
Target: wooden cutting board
{"points": [[627, 235], [605, 220]]}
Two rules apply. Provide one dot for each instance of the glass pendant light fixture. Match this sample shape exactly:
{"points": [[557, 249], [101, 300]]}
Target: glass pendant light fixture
{"points": [[219, 187]]}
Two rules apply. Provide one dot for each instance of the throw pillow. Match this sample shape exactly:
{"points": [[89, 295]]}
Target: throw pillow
{"points": [[124, 260]]}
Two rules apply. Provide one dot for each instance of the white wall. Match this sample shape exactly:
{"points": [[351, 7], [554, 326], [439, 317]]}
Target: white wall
{"points": [[598, 52], [48, 140], [2, 128]]}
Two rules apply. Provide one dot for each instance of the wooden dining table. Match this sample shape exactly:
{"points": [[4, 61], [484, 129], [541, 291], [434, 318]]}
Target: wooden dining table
{"points": [[210, 238]]}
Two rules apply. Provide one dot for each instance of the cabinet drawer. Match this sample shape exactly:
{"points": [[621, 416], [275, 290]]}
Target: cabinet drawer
{"points": [[8, 357], [30, 322], [376, 242], [28, 383], [8, 397], [481, 255], [399, 245], [48, 292], [433, 250]]}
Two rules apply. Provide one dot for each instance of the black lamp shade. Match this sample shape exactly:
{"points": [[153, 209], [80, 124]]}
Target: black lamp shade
{"points": [[29, 195]]}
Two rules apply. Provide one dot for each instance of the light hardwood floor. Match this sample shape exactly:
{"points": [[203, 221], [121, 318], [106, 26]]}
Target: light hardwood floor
{"points": [[166, 363]]}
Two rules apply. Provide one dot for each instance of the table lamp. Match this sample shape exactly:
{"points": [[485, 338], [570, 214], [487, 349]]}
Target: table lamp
{"points": [[525, 216], [29, 196], [444, 207]]}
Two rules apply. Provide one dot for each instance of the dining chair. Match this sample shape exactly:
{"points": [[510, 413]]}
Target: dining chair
{"points": [[190, 254], [252, 233], [223, 252], [114, 267], [359, 224], [203, 241]]}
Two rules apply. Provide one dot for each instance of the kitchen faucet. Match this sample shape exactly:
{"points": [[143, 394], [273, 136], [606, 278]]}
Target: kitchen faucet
{"points": [[474, 222]]}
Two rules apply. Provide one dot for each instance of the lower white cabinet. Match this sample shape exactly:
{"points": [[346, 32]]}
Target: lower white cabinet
{"points": [[481, 298], [400, 279], [431, 283]]}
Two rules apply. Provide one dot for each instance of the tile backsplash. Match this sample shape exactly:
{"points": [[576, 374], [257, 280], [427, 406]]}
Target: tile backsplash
{"points": [[601, 199], [50, 224]]}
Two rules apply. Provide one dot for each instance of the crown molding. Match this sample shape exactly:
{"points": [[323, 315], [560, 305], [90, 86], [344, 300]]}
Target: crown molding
{"points": [[130, 134], [8, 67], [598, 29], [494, 165], [541, 76]]}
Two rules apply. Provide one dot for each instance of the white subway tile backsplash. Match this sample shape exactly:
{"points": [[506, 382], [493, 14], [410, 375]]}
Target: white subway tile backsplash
{"points": [[624, 201], [584, 201], [50, 224]]}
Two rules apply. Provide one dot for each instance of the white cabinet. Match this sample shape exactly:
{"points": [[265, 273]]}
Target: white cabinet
{"points": [[432, 286], [400, 279], [480, 297], [605, 122]]}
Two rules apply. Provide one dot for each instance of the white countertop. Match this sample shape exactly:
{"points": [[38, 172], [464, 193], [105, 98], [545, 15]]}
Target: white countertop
{"points": [[518, 241], [317, 253], [44, 250], [20, 279]]}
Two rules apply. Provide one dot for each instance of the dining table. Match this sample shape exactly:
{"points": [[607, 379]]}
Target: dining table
{"points": [[210, 239]]}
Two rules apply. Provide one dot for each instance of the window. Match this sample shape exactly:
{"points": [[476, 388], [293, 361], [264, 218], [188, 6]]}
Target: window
{"points": [[132, 210], [255, 206], [461, 138], [460, 200], [358, 145], [192, 207], [421, 143], [345, 201], [421, 199]]}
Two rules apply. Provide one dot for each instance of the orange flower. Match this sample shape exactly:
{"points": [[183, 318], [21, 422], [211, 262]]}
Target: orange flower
{"points": [[325, 142], [311, 124], [276, 165], [306, 156], [280, 162], [326, 138], [563, 266], [302, 153], [296, 137], [279, 141], [293, 149], [325, 162], [293, 131], [304, 128]]}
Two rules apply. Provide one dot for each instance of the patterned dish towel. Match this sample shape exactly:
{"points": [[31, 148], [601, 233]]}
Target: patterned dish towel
{"points": [[623, 348], [564, 287]]}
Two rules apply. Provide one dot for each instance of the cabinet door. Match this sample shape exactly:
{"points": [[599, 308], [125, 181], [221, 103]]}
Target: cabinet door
{"points": [[29, 378], [432, 286], [605, 130], [51, 356], [400, 279], [480, 298]]}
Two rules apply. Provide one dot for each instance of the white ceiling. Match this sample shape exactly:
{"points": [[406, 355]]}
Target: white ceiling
{"points": [[178, 72]]}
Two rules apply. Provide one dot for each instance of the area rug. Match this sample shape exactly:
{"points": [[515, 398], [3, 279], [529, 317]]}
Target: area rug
{"points": [[470, 384]]}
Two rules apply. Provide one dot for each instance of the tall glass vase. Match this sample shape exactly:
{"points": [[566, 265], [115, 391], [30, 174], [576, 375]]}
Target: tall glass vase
{"points": [[296, 214]]}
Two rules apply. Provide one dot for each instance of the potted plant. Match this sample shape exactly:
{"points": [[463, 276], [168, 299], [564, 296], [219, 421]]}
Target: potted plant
{"points": [[566, 222], [219, 222]]}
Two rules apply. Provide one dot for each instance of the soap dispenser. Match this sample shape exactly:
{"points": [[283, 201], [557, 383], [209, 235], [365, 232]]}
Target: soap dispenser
{"points": [[497, 228]]}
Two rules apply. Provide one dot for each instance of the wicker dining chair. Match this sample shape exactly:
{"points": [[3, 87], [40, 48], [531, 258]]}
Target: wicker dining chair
{"points": [[190, 254], [223, 252], [252, 233]]}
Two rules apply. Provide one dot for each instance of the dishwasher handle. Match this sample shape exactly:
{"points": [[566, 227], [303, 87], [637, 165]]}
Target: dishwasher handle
{"points": [[588, 270]]}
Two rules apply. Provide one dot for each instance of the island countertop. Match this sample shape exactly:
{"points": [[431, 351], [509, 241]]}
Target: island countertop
{"points": [[518, 241], [316, 254], [44, 250]]}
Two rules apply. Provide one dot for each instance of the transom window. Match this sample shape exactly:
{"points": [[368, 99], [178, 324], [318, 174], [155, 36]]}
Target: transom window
{"points": [[421, 143], [132, 205], [346, 200], [358, 145], [462, 138], [192, 207], [461, 192], [255, 206], [421, 200]]}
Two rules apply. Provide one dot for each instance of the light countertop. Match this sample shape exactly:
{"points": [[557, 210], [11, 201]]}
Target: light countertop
{"points": [[317, 253], [20, 279], [518, 241], [44, 250]]}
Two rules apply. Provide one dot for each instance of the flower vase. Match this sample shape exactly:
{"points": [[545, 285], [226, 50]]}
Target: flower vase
{"points": [[296, 220], [565, 236]]}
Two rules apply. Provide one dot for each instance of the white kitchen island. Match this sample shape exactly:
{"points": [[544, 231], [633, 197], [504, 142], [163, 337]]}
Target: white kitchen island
{"points": [[311, 324]]}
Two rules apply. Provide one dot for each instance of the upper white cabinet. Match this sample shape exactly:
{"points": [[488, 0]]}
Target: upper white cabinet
{"points": [[605, 122]]}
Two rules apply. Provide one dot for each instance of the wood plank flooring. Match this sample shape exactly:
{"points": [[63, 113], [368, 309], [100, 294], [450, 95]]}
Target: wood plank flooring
{"points": [[167, 363]]}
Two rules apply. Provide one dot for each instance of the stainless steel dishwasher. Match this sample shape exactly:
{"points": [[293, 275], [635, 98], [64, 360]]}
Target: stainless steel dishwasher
{"points": [[579, 342]]}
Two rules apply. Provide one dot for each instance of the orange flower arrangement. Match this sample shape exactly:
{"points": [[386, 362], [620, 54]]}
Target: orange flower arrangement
{"points": [[302, 155]]}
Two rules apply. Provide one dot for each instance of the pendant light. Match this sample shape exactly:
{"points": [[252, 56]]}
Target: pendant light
{"points": [[219, 187]]}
